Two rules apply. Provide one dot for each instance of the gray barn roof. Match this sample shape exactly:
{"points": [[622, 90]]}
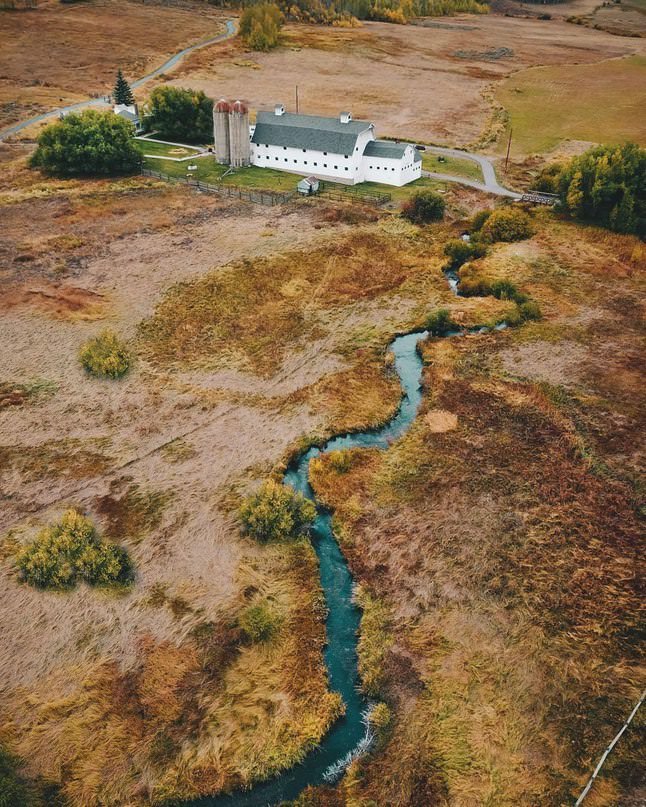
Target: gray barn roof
{"points": [[308, 132], [388, 149]]}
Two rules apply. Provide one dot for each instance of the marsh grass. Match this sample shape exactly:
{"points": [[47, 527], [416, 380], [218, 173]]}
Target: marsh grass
{"points": [[71, 458], [248, 315]]}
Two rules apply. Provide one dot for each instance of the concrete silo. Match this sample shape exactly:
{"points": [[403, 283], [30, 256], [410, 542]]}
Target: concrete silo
{"points": [[239, 140], [221, 131]]}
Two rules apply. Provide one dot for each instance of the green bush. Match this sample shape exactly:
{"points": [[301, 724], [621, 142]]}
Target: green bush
{"points": [[424, 207], [479, 219], [439, 322], [607, 186], [181, 115], [506, 290], [459, 252], [70, 551], [530, 310], [105, 355], [276, 513], [87, 143], [259, 623], [260, 26], [549, 178], [506, 224]]}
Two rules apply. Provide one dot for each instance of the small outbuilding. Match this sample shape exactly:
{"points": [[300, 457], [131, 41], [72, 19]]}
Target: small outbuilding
{"points": [[308, 186]]}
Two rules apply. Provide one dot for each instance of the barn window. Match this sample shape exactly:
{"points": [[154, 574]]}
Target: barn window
{"points": [[325, 153], [324, 165]]}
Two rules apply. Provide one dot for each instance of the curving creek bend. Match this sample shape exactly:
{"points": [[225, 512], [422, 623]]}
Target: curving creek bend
{"points": [[351, 735]]}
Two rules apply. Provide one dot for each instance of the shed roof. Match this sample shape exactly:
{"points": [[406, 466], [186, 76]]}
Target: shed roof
{"points": [[308, 132], [388, 149]]}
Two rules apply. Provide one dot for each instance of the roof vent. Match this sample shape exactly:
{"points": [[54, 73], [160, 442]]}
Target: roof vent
{"points": [[279, 109], [345, 117]]}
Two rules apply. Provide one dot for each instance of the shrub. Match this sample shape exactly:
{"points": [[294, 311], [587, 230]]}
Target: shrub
{"points": [[105, 355], [530, 310], [87, 143], [506, 290], [507, 224], [276, 513], [259, 623], [607, 186], [260, 26], [424, 207], [340, 461], [70, 551], [549, 178], [439, 322], [459, 252], [182, 115], [479, 219]]}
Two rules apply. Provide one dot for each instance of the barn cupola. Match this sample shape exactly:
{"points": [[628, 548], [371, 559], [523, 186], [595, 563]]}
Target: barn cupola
{"points": [[345, 117]]}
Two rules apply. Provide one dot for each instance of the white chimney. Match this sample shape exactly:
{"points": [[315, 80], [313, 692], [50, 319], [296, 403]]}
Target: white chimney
{"points": [[279, 109], [345, 117]]}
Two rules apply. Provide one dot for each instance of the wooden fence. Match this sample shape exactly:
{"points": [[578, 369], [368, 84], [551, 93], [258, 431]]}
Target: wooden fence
{"points": [[259, 197], [344, 193]]}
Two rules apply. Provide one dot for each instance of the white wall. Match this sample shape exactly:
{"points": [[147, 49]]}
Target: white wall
{"points": [[393, 171], [335, 167]]}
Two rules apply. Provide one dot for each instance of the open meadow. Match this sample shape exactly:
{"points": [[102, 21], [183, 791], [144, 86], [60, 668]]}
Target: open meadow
{"points": [[496, 546]]}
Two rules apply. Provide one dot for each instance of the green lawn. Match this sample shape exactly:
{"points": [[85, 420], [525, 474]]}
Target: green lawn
{"points": [[162, 149], [451, 165]]}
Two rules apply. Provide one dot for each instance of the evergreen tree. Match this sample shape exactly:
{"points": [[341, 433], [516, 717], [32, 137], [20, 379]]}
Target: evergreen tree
{"points": [[122, 92]]}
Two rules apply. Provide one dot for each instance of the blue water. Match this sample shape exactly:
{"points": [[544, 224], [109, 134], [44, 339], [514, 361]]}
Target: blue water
{"points": [[349, 733]]}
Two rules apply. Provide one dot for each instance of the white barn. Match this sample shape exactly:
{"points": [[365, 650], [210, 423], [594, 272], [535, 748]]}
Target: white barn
{"points": [[338, 149]]}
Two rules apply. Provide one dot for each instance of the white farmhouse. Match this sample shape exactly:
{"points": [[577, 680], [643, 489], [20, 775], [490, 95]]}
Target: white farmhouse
{"points": [[338, 149]]}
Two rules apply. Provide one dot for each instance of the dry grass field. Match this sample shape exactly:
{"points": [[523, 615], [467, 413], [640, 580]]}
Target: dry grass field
{"points": [[496, 544], [57, 54], [439, 79]]}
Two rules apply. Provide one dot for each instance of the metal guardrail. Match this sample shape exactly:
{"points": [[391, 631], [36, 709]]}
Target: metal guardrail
{"points": [[540, 198], [257, 196]]}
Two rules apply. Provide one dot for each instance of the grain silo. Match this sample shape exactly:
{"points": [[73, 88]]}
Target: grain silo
{"points": [[221, 131], [239, 140]]}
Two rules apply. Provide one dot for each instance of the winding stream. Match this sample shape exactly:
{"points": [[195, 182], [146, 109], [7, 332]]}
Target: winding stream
{"points": [[350, 735]]}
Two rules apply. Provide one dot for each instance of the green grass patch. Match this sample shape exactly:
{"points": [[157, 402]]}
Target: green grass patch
{"points": [[579, 102], [457, 166], [164, 149]]}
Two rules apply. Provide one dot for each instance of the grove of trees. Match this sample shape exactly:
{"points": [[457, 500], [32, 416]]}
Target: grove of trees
{"points": [[88, 143], [606, 186], [260, 26], [181, 115]]}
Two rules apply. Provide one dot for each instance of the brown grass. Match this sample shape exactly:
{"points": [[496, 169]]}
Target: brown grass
{"points": [[506, 550]]}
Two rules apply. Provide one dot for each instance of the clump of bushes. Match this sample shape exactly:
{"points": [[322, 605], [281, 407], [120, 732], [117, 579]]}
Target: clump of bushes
{"points": [[276, 513], [424, 207], [70, 552], [549, 178], [459, 252], [260, 26], [506, 224], [105, 356], [439, 322], [87, 143], [259, 622]]}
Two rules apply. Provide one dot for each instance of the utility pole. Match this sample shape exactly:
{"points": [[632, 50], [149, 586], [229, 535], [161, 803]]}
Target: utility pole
{"points": [[508, 150], [297, 99]]}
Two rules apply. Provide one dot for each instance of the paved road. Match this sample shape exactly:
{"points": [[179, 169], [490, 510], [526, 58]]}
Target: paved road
{"points": [[168, 65], [490, 184]]}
